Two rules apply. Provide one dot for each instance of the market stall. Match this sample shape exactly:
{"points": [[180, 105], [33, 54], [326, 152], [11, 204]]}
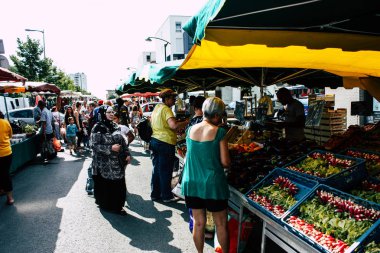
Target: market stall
{"points": [[320, 200], [25, 143], [24, 150]]}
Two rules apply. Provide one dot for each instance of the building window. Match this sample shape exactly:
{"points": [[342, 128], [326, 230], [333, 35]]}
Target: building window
{"points": [[178, 27], [148, 58]]}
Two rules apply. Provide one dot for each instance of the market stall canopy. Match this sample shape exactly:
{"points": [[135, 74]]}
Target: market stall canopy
{"points": [[171, 75], [42, 86], [11, 88], [6, 75], [70, 93], [337, 36], [138, 94]]}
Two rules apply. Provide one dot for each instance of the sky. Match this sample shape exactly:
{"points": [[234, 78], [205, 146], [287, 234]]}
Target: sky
{"points": [[99, 38]]}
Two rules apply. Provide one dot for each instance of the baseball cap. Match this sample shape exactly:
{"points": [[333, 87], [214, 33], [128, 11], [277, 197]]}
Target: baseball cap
{"points": [[167, 92], [100, 102]]}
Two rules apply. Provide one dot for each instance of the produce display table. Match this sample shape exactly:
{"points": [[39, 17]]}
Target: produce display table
{"points": [[271, 229], [24, 152], [283, 238]]}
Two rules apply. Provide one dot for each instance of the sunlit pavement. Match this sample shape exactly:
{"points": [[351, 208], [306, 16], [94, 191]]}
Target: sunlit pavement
{"points": [[53, 212]]}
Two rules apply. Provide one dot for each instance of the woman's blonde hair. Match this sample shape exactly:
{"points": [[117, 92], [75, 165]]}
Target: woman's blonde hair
{"points": [[213, 106]]}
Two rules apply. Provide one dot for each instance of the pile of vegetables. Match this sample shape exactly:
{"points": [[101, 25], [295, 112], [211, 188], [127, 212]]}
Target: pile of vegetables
{"points": [[322, 165], [29, 129], [372, 160], [277, 197], [368, 190], [372, 247], [333, 222]]}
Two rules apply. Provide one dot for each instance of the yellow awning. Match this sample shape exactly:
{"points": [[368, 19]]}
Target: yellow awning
{"points": [[248, 48]]}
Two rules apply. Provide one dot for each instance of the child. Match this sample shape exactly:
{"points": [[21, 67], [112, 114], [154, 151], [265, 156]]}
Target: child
{"points": [[62, 131], [86, 136], [71, 132]]}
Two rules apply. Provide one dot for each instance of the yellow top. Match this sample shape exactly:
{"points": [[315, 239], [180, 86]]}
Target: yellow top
{"points": [[160, 126], [5, 137]]}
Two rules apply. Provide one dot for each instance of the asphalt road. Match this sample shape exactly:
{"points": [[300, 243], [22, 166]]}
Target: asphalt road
{"points": [[53, 213]]}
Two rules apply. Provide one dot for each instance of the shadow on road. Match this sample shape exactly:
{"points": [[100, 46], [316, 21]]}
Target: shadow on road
{"points": [[144, 235], [33, 223]]}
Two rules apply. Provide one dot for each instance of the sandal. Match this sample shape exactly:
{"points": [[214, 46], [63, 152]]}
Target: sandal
{"points": [[10, 202]]}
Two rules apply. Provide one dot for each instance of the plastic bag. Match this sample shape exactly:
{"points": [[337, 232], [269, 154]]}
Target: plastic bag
{"points": [[56, 144]]}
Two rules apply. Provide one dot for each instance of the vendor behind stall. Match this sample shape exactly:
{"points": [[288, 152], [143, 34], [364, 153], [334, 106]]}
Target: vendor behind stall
{"points": [[294, 116]]}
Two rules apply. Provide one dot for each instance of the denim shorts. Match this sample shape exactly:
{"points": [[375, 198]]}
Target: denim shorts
{"points": [[212, 205], [71, 140]]}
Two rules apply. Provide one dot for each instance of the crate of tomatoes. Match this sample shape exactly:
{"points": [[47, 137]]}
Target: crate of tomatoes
{"points": [[330, 169], [278, 192], [333, 221]]}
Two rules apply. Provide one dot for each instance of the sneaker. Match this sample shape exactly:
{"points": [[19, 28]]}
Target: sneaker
{"points": [[174, 199]]}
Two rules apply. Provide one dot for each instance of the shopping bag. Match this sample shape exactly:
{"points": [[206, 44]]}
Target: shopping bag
{"points": [[56, 144], [48, 151], [177, 191]]}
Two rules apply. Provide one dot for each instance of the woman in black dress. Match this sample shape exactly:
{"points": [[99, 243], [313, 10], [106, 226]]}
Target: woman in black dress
{"points": [[110, 157]]}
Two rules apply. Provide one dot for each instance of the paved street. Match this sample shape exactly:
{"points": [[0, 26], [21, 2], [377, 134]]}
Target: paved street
{"points": [[53, 213]]}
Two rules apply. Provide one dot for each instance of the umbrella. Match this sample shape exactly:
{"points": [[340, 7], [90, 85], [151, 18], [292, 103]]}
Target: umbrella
{"points": [[315, 35], [6, 75]]}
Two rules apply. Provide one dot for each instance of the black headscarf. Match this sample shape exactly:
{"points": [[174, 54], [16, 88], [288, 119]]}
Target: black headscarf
{"points": [[102, 117]]}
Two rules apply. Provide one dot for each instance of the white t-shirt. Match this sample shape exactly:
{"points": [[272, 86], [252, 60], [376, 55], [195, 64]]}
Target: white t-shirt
{"points": [[124, 132]]}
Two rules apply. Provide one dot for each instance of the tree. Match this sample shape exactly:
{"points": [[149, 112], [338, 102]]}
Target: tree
{"points": [[28, 63]]}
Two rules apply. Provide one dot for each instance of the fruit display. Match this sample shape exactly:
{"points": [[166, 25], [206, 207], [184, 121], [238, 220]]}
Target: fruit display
{"points": [[249, 168], [332, 221], [364, 137], [368, 190], [244, 148], [322, 165], [372, 159]]}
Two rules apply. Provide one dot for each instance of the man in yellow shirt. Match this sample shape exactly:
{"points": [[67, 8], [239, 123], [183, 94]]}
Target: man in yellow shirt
{"points": [[162, 144], [5, 159]]}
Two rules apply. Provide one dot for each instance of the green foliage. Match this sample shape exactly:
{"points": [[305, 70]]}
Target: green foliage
{"points": [[27, 61], [30, 63]]}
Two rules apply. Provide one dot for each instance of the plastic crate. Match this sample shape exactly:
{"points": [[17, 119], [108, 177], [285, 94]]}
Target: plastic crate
{"points": [[370, 172], [373, 236], [305, 186], [370, 180], [342, 180], [354, 247]]}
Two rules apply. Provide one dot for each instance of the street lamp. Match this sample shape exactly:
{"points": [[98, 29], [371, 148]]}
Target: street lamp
{"points": [[43, 36], [166, 44]]}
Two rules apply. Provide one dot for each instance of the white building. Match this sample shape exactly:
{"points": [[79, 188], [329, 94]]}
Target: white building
{"points": [[172, 39], [4, 62], [80, 80], [147, 57]]}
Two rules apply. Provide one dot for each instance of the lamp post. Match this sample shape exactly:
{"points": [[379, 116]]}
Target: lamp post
{"points": [[166, 44], [43, 36]]}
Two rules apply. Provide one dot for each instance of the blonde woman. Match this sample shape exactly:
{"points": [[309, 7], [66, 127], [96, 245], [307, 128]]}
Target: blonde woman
{"points": [[204, 183]]}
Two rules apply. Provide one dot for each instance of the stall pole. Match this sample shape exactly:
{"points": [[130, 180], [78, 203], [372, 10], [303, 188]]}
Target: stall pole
{"points": [[6, 107]]}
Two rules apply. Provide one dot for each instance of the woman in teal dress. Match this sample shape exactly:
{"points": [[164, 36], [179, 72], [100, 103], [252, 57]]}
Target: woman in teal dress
{"points": [[204, 183]]}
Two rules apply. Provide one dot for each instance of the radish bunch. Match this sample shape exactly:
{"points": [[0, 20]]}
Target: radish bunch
{"points": [[327, 241]]}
